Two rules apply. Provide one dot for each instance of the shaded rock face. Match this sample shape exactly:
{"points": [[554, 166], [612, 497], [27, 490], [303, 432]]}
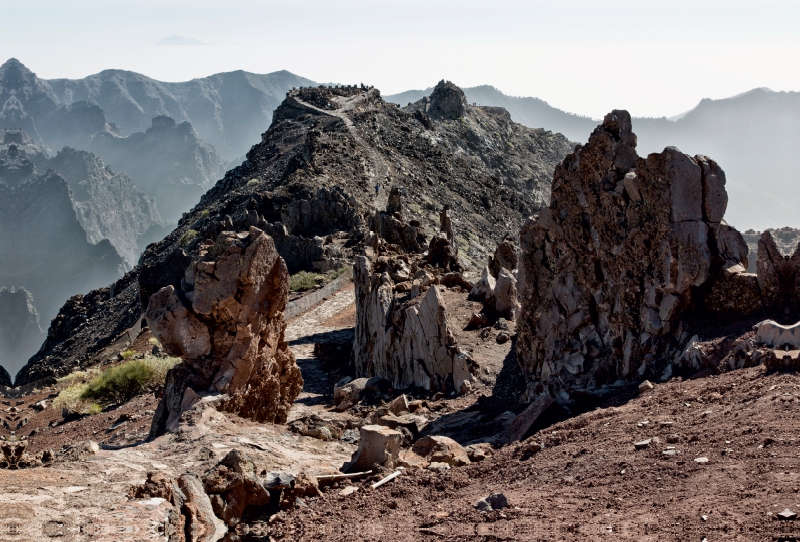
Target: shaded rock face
{"points": [[20, 333], [107, 203], [43, 247], [447, 101], [610, 268], [227, 324], [402, 331], [178, 169]]}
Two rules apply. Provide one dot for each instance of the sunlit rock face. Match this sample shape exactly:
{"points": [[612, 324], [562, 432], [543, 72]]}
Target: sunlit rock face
{"points": [[610, 270]]}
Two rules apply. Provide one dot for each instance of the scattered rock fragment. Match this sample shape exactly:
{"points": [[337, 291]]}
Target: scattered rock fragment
{"points": [[642, 444], [441, 449], [495, 501], [378, 445]]}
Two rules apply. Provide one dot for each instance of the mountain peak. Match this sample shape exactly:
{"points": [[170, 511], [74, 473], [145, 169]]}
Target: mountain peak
{"points": [[448, 101]]}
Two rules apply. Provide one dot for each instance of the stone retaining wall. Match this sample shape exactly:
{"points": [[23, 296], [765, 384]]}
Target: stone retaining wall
{"points": [[299, 306]]}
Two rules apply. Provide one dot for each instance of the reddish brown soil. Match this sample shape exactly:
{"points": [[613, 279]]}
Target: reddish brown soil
{"points": [[589, 482], [346, 318]]}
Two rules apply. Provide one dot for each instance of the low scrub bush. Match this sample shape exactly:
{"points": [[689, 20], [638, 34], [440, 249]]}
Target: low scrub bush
{"points": [[88, 394]]}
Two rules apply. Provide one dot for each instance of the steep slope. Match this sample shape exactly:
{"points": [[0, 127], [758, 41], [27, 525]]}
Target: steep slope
{"points": [[310, 184], [228, 110], [167, 160], [43, 247], [179, 167], [532, 112], [754, 134], [107, 203]]}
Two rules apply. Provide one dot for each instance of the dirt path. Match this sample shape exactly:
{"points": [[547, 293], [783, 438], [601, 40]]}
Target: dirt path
{"points": [[381, 171], [302, 332], [716, 459]]}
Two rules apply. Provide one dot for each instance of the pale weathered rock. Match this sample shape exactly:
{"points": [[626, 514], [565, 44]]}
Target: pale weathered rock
{"points": [[771, 333], [202, 525], [398, 405], [417, 348], [505, 257], [378, 445], [227, 325], [441, 449], [505, 295], [483, 289]]}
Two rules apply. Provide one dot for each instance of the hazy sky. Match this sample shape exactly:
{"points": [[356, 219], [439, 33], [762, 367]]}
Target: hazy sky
{"points": [[654, 58]]}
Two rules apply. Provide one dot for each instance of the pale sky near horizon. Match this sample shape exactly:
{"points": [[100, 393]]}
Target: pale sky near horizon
{"points": [[653, 58]]}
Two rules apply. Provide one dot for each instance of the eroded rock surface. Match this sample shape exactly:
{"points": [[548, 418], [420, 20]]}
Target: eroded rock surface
{"points": [[610, 268], [227, 325]]}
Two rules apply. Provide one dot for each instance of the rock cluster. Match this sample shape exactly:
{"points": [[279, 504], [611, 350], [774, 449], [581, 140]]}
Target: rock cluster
{"points": [[609, 270], [226, 322]]}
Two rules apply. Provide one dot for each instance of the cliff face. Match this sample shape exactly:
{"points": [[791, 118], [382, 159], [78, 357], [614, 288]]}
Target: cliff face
{"points": [[310, 184], [43, 246], [178, 169], [167, 161], [107, 203], [629, 261]]}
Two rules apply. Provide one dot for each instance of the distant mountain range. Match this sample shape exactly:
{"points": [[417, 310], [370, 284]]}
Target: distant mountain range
{"points": [[753, 136]]}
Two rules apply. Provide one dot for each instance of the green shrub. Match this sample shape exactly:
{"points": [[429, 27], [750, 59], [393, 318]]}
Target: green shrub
{"points": [[127, 380], [304, 281], [187, 237], [70, 398], [128, 354], [251, 183], [204, 213]]}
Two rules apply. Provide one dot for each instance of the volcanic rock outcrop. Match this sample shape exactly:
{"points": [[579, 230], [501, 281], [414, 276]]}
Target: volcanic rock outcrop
{"points": [[227, 324], [610, 270], [402, 332]]}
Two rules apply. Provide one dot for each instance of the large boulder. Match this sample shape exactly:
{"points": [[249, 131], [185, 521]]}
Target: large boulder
{"points": [[609, 270], [227, 325]]}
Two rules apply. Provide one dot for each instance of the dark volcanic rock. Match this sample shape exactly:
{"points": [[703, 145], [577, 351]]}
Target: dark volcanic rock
{"points": [[83, 328], [610, 268]]}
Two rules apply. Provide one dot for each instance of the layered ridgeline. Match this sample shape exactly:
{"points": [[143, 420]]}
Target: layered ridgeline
{"points": [[107, 204], [310, 184], [173, 139], [753, 134], [44, 250]]}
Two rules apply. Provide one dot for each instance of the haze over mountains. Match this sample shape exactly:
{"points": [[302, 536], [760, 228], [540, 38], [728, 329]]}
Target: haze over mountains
{"points": [[133, 154], [751, 135]]}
